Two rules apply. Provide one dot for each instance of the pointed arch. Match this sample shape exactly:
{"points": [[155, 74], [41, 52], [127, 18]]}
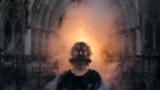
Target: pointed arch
{"points": [[13, 15]]}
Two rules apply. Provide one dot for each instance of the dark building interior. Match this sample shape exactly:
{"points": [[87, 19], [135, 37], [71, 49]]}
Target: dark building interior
{"points": [[27, 26]]}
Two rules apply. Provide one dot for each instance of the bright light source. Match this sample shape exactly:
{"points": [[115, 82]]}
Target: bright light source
{"points": [[82, 36], [81, 31]]}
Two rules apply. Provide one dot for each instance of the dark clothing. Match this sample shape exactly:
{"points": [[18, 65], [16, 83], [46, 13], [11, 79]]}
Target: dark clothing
{"points": [[89, 81]]}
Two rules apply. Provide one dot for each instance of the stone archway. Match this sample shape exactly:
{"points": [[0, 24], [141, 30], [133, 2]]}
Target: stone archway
{"points": [[46, 15], [13, 26]]}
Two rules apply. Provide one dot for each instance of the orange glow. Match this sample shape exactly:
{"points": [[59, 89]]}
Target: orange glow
{"points": [[102, 43], [97, 24], [82, 36], [97, 29]]}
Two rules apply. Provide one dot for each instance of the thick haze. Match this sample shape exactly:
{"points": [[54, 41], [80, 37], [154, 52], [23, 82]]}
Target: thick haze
{"points": [[96, 23]]}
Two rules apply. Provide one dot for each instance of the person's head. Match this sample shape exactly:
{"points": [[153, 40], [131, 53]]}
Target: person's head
{"points": [[80, 53]]}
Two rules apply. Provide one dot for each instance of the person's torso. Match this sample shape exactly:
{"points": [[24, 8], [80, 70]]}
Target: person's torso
{"points": [[88, 81]]}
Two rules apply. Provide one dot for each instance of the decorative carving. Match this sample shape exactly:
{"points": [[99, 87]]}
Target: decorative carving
{"points": [[13, 15]]}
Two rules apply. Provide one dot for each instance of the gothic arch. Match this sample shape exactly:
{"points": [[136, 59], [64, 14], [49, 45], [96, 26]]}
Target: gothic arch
{"points": [[6, 5], [151, 19], [130, 13], [13, 14], [46, 15]]}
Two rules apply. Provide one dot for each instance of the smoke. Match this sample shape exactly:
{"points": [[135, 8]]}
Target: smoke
{"points": [[95, 22]]}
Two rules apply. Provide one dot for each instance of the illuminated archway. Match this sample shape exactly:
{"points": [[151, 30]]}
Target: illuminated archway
{"points": [[46, 15]]}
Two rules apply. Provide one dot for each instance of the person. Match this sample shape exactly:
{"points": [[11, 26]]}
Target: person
{"points": [[79, 77]]}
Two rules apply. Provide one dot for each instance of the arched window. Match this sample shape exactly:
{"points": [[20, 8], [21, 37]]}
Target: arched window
{"points": [[13, 28]]}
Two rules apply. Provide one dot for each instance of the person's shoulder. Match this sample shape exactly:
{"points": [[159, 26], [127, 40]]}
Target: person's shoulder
{"points": [[94, 74], [93, 71], [65, 73]]}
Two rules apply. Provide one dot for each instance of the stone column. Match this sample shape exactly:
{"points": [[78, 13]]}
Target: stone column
{"points": [[138, 42], [28, 42]]}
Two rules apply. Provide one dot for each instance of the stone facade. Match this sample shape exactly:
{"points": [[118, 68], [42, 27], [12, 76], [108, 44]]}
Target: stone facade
{"points": [[27, 25]]}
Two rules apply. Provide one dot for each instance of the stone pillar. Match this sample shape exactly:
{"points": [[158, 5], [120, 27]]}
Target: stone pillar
{"points": [[28, 42], [44, 43], [36, 42], [138, 42], [33, 41]]}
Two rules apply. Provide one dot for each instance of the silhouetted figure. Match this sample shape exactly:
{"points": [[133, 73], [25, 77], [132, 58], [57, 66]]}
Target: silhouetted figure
{"points": [[79, 77]]}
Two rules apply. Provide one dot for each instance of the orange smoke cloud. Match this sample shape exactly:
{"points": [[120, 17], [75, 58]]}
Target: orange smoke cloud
{"points": [[94, 23]]}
